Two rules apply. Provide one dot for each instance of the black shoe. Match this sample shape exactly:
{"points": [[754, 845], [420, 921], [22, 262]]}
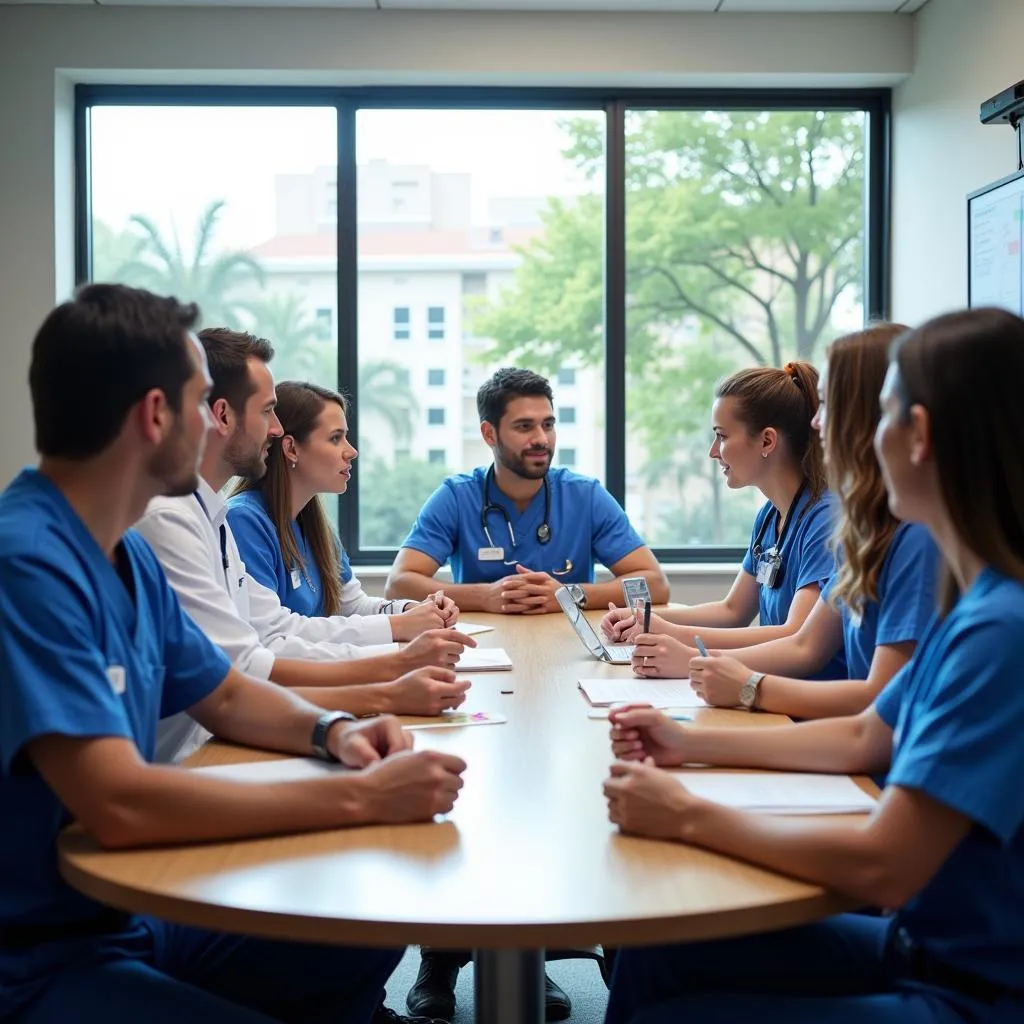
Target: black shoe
{"points": [[433, 994], [385, 1015], [556, 1003]]}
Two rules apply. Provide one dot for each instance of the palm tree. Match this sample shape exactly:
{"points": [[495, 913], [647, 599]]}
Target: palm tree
{"points": [[304, 349], [201, 277], [385, 396]]}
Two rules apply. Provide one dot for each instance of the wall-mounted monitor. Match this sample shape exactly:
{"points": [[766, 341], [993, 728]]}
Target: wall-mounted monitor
{"points": [[995, 240]]}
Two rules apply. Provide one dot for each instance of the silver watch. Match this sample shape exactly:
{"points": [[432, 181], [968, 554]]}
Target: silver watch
{"points": [[577, 593], [748, 691], [318, 741]]}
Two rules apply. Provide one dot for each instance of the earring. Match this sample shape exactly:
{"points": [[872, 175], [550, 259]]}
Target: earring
{"points": [[293, 463], [764, 455]]}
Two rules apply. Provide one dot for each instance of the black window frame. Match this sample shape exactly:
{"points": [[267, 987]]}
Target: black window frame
{"points": [[876, 103]]}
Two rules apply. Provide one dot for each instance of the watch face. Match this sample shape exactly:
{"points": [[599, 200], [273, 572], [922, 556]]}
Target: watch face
{"points": [[748, 694]]}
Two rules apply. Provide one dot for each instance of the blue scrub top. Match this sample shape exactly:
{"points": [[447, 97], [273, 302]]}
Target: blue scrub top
{"points": [[906, 599], [587, 526], [806, 558], [297, 588], [78, 657], [957, 715]]}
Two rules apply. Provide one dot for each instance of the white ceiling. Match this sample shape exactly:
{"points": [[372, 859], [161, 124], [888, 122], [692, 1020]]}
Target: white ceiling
{"points": [[622, 6]]}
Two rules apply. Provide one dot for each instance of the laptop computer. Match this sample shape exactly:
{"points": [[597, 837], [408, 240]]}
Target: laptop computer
{"points": [[614, 654]]}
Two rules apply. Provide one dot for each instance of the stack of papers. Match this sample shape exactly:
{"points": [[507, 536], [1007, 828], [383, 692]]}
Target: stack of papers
{"points": [[471, 628], [780, 792], [286, 769], [660, 693], [484, 659]]}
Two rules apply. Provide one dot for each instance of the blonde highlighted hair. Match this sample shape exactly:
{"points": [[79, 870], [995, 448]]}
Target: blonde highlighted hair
{"points": [[857, 365]]}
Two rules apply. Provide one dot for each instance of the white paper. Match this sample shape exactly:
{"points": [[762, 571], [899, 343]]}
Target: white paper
{"points": [[780, 792], [660, 693], [288, 769], [483, 659], [471, 628]]}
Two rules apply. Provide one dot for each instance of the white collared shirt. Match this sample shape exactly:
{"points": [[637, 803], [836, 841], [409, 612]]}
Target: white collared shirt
{"points": [[244, 619]]}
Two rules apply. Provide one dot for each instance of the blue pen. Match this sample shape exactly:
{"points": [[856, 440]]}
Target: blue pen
{"points": [[699, 644]]}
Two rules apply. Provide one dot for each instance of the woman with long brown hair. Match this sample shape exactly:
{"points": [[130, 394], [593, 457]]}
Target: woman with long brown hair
{"points": [[284, 535], [944, 846], [882, 596], [763, 438]]}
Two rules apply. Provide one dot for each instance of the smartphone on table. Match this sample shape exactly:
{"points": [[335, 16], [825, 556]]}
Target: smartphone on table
{"points": [[634, 588]]}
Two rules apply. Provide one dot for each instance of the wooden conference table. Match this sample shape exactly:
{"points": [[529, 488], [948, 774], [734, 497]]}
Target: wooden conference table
{"points": [[527, 859]]}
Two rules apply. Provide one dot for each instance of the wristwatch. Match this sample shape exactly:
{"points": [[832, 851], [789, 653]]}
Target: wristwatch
{"points": [[577, 593], [318, 741], [748, 691]]}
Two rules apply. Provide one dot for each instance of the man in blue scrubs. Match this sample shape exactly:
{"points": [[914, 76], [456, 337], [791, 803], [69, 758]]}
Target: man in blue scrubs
{"points": [[94, 649], [516, 531]]}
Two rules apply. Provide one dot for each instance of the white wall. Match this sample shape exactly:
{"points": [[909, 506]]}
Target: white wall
{"points": [[44, 49], [965, 52]]}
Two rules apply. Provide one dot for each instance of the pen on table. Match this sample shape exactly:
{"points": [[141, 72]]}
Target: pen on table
{"points": [[647, 616], [699, 644]]}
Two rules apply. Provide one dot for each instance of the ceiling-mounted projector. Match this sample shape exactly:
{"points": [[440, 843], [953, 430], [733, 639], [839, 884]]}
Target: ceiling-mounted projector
{"points": [[1006, 107]]}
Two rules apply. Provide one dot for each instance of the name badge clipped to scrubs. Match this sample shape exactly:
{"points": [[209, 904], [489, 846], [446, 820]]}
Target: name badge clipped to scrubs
{"points": [[296, 579], [768, 568], [490, 554], [118, 678]]}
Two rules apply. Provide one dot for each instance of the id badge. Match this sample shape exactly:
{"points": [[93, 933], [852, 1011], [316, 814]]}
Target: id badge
{"points": [[296, 579], [768, 571], [490, 554]]}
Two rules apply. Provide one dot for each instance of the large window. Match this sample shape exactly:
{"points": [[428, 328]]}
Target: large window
{"points": [[634, 250], [209, 204]]}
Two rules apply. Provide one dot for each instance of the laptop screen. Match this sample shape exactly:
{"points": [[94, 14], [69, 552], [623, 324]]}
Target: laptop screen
{"points": [[584, 630]]}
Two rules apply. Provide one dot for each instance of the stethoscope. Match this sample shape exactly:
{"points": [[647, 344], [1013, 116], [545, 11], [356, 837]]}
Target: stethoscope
{"points": [[543, 531]]}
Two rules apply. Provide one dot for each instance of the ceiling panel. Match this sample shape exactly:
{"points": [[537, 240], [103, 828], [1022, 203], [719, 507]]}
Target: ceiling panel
{"points": [[810, 6], [631, 6], [365, 5]]}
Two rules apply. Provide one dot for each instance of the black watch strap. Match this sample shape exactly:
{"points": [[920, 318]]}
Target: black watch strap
{"points": [[318, 741]]}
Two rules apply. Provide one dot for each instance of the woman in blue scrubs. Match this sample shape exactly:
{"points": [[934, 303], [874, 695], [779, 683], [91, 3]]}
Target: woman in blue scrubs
{"points": [[282, 530], [763, 438], [945, 845], [881, 599]]}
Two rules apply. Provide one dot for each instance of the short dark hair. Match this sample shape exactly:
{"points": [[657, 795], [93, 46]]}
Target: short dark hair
{"points": [[505, 384], [98, 354], [227, 354]]}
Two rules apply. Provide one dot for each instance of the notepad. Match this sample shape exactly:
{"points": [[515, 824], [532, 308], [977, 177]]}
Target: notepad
{"points": [[286, 769], [662, 693], [471, 628], [484, 659], [780, 792]]}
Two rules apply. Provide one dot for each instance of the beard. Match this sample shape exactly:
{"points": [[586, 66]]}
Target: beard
{"points": [[245, 459], [518, 465], [175, 464]]}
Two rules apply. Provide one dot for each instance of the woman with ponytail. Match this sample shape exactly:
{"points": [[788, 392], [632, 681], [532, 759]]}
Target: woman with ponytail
{"points": [[879, 603], [763, 438]]}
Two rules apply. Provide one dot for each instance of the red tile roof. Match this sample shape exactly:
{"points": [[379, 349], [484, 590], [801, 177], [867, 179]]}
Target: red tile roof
{"points": [[431, 242]]}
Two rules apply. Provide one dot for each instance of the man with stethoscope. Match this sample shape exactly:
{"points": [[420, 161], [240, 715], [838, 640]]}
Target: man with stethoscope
{"points": [[516, 531]]}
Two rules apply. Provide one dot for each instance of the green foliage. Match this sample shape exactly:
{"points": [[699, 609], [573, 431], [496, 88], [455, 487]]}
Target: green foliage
{"points": [[143, 257], [385, 399], [303, 347], [390, 498], [743, 232]]}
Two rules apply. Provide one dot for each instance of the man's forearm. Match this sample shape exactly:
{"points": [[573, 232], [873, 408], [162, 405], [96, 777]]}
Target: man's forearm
{"points": [[470, 597], [167, 805], [371, 699]]}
